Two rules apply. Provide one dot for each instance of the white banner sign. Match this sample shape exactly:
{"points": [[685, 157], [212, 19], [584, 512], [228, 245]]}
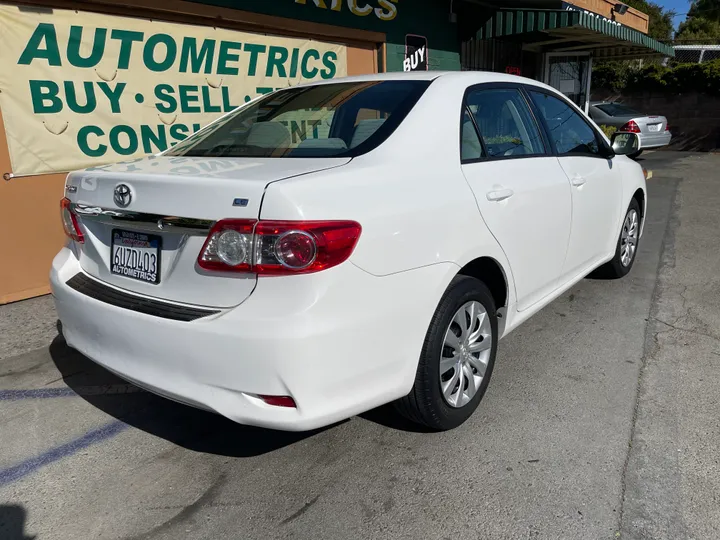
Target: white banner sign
{"points": [[79, 89]]}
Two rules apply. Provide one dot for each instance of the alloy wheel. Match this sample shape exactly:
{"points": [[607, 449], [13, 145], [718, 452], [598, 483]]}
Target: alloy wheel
{"points": [[466, 353], [629, 238]]}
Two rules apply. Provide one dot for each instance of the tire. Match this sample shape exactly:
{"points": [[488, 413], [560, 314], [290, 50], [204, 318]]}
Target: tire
{"points": [[426, 403], [635, 155], [620, 265]]}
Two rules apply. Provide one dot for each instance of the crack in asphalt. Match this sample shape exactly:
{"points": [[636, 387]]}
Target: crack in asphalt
{"points": [[300, 512], [187, 511], [680, 329], [666, 259], [22, 371]]}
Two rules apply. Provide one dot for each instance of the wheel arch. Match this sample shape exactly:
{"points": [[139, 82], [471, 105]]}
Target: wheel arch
{"points": [[493, 275], [639, 196]]}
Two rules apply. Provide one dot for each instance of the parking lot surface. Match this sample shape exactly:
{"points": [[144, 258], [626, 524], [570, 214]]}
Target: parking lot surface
{"points": [[601, 421]]}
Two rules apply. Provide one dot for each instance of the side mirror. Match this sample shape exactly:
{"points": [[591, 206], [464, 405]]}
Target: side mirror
{"points": [[624, 144]]}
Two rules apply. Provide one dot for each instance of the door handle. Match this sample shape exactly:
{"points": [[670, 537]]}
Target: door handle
{"points": [[578, 181], [499, 195]]}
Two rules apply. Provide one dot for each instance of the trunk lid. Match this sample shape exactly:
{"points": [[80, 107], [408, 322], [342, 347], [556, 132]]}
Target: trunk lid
{"points": [[161, 230], [651, 125]]}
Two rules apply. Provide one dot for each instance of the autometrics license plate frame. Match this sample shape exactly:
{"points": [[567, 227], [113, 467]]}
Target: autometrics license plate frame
{"points": [[136, 255]]}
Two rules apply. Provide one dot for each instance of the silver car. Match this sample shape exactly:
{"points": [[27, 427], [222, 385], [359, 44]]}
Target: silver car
{"points": [[654, 131]]}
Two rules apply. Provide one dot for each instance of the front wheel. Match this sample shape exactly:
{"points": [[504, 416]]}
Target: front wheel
{"points": [[457, 357], [627, 244]]}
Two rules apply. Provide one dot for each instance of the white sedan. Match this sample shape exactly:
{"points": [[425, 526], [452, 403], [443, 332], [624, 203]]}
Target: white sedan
{"points": [[336, 246]]}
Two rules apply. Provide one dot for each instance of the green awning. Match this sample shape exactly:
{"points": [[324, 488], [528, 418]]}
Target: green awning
{"points": [[569, 30]]}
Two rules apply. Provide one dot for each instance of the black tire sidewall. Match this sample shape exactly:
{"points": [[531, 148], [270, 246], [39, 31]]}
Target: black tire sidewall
{"points": [[618, 267], [463, 289]]}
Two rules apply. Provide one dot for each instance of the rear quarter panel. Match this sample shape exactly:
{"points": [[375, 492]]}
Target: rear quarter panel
{"points": [[409, 195]]}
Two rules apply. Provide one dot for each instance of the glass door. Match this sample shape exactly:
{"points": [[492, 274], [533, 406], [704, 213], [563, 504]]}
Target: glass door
{"points": [[570, 74]]}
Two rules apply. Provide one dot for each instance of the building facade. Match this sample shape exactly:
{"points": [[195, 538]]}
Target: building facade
{"points": [[84, 83]]}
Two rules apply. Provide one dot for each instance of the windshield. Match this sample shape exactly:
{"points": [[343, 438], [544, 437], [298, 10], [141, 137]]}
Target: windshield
{"points": [[327, 120], [618, 109]]}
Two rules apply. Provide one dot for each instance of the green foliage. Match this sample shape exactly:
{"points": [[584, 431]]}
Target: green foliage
{"points": [[678, 79], [661, 21], [702, 23], [608, 130], [611, 75], [698, 28], [706, 9]]}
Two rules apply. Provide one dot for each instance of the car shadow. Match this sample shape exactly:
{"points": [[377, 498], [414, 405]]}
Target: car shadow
{"points": [[601, 274], [388, 417], [12, 522], [190, 428]]}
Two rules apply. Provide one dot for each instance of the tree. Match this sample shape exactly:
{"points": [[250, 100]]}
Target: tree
{"points": [[614, 74], [698, 29], [702, 23], [705, 9], [661, 21]]}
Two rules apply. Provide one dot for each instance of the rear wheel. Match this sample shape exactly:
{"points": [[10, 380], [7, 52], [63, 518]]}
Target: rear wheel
{"points": [[627, 244], [457, 357]]}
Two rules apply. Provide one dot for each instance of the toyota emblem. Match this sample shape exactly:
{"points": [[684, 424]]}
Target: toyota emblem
{"points": [[122, 195]]}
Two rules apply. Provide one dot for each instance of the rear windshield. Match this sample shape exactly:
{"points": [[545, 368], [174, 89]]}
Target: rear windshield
{"points": [[618, 109], [327, 120]]}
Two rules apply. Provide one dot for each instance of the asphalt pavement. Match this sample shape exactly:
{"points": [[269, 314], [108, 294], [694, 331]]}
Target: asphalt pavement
{"points": [[601, 422]]}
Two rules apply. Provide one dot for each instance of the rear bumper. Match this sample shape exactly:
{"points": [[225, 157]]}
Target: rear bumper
{"points": [[655, 140], [339, 342]]}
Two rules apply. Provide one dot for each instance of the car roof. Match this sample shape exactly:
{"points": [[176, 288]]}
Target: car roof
{"points": [[460, 77]]}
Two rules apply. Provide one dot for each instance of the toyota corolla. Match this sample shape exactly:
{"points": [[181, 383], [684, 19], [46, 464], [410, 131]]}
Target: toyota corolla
{"points": [[336, 246]]}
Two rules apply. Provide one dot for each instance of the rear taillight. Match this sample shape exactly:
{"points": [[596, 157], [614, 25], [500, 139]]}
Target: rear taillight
{"points": [[278, 247], [631, 127], [667, 126], [287, 247], [228, 247], [70, 222]]}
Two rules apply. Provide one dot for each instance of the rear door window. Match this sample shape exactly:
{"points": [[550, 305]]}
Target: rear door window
{"points": [[505, 122], [470, 146]]}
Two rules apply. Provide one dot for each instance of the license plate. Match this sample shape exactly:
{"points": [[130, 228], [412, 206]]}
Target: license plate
{"points": [[654, 127], [136, 256]]}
